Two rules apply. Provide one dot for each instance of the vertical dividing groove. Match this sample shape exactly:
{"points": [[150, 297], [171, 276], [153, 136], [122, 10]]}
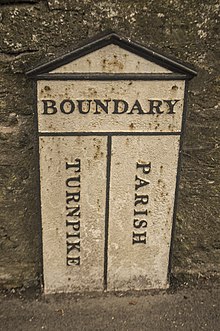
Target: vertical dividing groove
{"points": [[108, 170]]}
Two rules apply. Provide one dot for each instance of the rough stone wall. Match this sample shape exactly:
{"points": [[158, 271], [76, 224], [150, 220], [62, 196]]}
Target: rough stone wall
{"points": [[33, 32]]}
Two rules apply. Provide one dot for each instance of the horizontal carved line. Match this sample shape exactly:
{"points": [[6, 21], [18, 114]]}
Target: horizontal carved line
{"points": [[109, 133], [110, 76]]}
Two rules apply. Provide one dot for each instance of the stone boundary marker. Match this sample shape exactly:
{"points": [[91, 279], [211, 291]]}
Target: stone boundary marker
{"points": [[110, 121]]}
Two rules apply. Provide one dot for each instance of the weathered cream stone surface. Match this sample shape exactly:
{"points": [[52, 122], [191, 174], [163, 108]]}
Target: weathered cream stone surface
{"points": [[127, 182], [54, 153], [111, 59], [143, 264], [130, 91]]}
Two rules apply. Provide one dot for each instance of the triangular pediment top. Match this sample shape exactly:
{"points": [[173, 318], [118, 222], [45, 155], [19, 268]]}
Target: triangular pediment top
{"points": [[111, 59], [112, 53]]}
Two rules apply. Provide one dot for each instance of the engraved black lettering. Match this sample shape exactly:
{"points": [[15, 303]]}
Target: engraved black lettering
{"points": [[146, 168], [136, 108], [155, 107], [140, 212], [72, 246], [73, 235], [141, 199], [74, 165], [84, 106], [100, 105], [171, 104], [140, 182], [71, 182], [120, 106], [67, 106], [73, 211], [140, 224], [113, 106], [49, 107], [74, 224], [72, 261], [70, 197], [139, 238]]}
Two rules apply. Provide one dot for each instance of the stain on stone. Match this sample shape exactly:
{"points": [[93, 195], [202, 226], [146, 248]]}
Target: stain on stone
{"points": [[174, 88]]}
